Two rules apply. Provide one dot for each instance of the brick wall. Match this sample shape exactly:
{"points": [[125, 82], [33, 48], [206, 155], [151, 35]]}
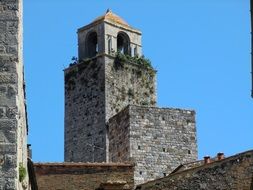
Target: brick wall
{"points": [[82, 176]]}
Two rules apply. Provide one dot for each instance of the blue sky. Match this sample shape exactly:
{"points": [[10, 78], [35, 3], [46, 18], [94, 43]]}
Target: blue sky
{"points": [[201, 49]]}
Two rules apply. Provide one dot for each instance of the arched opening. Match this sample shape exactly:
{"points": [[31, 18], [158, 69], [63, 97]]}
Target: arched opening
{"points": [[109, 45], [123, 43], [91, 45]]}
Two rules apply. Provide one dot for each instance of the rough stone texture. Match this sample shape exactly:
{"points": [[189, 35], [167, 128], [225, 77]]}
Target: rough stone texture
{"points": [[233, 173], [128, 84], [85, 130], [13, 129], [157, 140], [95, 90], [82, 176], [100, 87]]}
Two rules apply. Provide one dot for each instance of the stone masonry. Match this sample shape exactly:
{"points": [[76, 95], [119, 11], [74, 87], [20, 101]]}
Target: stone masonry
{"points": [[85, 138], [13, 124], [157, 140], [232, 173], [95, 90], [84, 176], [98, 88], [110, 99]]}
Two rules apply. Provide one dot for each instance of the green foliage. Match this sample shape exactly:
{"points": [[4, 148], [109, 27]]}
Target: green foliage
{"points": [[122, 58], [22, 172]]}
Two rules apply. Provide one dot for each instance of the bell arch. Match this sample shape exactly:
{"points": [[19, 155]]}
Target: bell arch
{"points": [[91, 44], [123, 43]]}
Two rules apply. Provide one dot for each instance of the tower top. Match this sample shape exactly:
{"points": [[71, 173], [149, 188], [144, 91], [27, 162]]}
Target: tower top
{"points": [[106, 35], [113, 19]]}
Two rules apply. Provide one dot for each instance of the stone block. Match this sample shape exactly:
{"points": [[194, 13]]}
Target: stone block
{"points": [[6, 78], [8, 148]]}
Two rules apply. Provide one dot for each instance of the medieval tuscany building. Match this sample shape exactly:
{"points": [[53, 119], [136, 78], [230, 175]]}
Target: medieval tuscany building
{"points": [[13, 122], [110, 105]]}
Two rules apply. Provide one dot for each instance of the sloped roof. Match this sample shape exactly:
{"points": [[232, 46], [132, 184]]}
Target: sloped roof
{"points": [[111, 17]]}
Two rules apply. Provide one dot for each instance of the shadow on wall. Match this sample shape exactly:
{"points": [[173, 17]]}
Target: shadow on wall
{"points": [[251, 186]]}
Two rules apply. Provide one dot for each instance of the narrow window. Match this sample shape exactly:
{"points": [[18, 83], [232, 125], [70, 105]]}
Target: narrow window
{"points": [[164, 174], [140, 172], [164, 150], [139, 147], [135, 51], [109, 45], [123, 43]]}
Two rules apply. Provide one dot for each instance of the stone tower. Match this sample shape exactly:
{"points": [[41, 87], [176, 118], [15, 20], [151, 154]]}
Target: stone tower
{"points": [[110, 105], [98, 86], [13, 124]]}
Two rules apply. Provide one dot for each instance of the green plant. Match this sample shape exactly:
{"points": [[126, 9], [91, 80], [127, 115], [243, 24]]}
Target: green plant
{"points": [[120, 59], [22, 172]]}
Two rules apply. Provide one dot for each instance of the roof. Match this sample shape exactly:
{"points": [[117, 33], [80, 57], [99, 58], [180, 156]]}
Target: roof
{"points": [[234, 172], [111, 17]]}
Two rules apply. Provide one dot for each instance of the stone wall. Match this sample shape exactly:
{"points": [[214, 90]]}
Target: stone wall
{"points": [[95, 90], [81, 176], [119, 137], [157, 140], [13, 128], [85, 130], [232, 173], [128, 83]]}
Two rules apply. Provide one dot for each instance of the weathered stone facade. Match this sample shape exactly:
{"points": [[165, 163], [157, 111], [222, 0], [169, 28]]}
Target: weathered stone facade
{"points": [[95, 90], [98, 88], [232, 173], [157, 140], [13, 127], [85, 131], [84, 176], [102, 83], [127, 84]]}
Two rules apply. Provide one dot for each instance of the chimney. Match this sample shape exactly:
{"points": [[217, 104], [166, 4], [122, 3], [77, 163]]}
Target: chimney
{"points": [[220, 156], [207, 160]]}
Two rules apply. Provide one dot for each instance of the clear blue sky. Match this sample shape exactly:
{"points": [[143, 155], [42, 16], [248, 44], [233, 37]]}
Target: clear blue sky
{"points": [[201, 49]]}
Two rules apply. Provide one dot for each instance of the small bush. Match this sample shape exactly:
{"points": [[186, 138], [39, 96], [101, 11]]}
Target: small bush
{"points": [[22, 172], [122, 58]]}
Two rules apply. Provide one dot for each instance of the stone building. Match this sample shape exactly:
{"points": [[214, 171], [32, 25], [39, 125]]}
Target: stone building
{"points": [[110, 105], [232, 173], [115, 136], [13, 122], [84, 176]]}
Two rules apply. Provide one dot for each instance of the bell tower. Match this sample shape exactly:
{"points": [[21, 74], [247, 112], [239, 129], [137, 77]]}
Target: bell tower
{"points": [[108, 34], [108, 76]]}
